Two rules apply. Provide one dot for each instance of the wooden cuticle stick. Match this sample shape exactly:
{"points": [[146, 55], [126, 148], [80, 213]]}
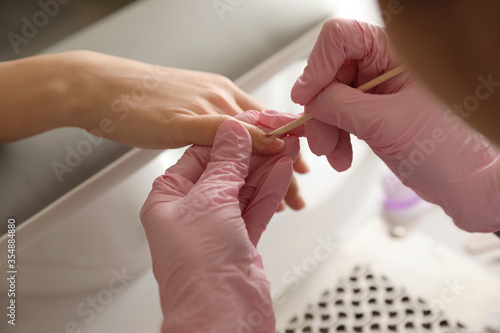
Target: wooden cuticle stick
{"points": [[367, 86]]}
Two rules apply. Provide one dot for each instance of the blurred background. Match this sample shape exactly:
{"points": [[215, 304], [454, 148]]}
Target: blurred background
{"points": [[74, 236], [70, 18]]}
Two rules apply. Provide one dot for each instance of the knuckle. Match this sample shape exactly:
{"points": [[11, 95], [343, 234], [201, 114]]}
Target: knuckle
{"points": [[219, 99], [333, 25], [223, 80]]}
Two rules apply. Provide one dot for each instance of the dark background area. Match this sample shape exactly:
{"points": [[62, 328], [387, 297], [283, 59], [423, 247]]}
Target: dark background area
{"points": [[61, 21]]}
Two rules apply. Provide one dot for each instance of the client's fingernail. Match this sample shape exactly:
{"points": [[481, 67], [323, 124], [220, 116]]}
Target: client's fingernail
{"points": [[273, 142]]}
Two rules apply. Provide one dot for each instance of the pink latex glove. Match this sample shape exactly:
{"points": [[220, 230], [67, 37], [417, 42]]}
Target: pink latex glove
{"points": [[203, 220], [426, 145]]}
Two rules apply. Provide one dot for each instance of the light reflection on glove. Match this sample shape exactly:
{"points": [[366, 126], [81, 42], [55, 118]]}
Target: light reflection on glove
{"points": [[428, 147], [203, 220]]}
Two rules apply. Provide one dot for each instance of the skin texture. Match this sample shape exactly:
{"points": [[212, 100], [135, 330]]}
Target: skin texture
{"points": [[126, 101], [449, 44], [149, 106]]}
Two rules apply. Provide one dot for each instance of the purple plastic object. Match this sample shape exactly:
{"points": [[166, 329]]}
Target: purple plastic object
{"points": [[397, 195]]}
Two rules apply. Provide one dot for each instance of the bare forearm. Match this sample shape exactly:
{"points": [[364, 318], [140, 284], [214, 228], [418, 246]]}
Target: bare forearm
{"points": [[123, 100], [34, 95]]}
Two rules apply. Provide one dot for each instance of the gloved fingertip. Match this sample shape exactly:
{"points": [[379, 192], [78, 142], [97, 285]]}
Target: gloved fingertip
{"points": [[232, 143], [275, 119], [250, 117], [292, 147], [340, 162], [300, 94], [269, 113], [341, 157], [321, 137]]}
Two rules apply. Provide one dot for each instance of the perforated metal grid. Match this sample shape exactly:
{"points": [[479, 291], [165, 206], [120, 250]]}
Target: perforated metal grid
{"points": [[367, 302]]}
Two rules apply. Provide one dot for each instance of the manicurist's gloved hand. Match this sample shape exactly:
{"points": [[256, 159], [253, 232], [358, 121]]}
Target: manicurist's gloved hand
{"points": [[423, 142], [203, 220]]}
